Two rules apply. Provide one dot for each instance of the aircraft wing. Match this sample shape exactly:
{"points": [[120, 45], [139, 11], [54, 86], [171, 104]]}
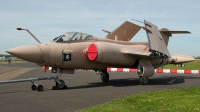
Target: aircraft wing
{"points": [[157, 45], [137, 54], [125, 32]]}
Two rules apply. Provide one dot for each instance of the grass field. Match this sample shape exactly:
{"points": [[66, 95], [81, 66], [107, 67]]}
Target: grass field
{"points": [[188, 66], [175, 100]]}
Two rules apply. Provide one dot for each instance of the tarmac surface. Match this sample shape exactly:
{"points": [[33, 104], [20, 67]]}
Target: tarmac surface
{"points": [[85, 88]]}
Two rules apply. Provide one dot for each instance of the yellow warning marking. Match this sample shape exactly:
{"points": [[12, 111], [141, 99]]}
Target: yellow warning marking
{"points": [[67, 51]]}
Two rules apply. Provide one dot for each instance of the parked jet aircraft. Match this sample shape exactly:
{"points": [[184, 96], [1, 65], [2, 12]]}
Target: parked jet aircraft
{"points": [[7, 57], [76, 50], [3, 58]]}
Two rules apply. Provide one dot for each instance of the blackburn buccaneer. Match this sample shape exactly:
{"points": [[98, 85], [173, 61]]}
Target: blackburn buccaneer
{"points": [[76, 50]]}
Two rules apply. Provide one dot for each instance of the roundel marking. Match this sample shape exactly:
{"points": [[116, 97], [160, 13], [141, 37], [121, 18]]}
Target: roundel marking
{"points": [[92, 52]]}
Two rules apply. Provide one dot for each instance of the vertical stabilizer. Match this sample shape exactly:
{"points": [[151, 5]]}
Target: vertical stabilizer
{"points": [[165, 36]]}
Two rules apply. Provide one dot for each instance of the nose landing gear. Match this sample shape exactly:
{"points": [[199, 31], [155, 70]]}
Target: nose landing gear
{"points": [[60, 84]]}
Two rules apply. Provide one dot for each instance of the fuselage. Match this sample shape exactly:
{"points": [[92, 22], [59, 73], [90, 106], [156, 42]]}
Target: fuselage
{"points": [[109, 55]]}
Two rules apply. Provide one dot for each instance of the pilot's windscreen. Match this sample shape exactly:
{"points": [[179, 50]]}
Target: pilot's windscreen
{"points": [[55, 38], [75, 36], [61, 38], [81, 36]]}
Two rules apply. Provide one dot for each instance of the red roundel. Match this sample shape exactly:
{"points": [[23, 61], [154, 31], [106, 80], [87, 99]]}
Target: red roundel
{"points": [[92, 52]]}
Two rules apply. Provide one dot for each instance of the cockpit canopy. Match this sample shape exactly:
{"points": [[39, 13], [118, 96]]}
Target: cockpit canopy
{"points": [[72, 36]]}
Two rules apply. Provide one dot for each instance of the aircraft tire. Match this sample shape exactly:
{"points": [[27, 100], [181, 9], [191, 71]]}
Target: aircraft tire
{"points": [[105, 77], [143, 80], [34, 87], [62, 85], [40, 88]]}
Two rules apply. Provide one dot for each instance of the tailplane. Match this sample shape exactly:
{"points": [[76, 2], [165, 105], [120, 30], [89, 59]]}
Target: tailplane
{"points": [[166, 34]]}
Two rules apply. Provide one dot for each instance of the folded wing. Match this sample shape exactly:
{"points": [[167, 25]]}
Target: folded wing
{"points": [[125, 32]]}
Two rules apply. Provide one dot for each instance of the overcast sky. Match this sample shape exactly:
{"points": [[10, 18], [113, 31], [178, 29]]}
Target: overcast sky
{"points": [[51, 18]]}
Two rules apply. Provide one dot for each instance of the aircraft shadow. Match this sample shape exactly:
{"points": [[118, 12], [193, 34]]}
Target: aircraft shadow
{"points": [[165, 80], [14, 92]]}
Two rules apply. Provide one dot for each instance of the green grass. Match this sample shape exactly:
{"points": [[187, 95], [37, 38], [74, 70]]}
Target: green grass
{"points": [[188, 66], [175, 100]]}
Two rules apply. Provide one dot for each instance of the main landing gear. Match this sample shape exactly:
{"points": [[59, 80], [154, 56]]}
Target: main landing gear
{"points": [[104, 75], [140, 72], [143, 80], [60, 84]]}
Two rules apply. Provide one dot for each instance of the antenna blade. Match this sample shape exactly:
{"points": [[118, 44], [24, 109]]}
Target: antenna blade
{"points": [[138, 21]]}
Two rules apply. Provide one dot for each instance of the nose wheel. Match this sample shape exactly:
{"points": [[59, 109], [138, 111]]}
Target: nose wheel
{"points": [[60, 84]]}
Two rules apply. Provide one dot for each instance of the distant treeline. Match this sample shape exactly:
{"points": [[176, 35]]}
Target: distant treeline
{"points": [[1, 55]]}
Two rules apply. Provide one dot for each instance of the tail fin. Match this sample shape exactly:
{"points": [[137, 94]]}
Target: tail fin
{"points": [[165, 33]]}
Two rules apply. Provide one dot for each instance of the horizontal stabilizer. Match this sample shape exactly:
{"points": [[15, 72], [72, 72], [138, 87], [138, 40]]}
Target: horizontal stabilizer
{"points": [[174, 32]]}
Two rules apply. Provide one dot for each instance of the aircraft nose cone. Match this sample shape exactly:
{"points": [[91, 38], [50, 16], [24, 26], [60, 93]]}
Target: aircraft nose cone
{"points": [[29, 52]]}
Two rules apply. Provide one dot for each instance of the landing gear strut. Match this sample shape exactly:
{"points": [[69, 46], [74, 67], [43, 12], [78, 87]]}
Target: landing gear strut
{"points": [[60, 84]]}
